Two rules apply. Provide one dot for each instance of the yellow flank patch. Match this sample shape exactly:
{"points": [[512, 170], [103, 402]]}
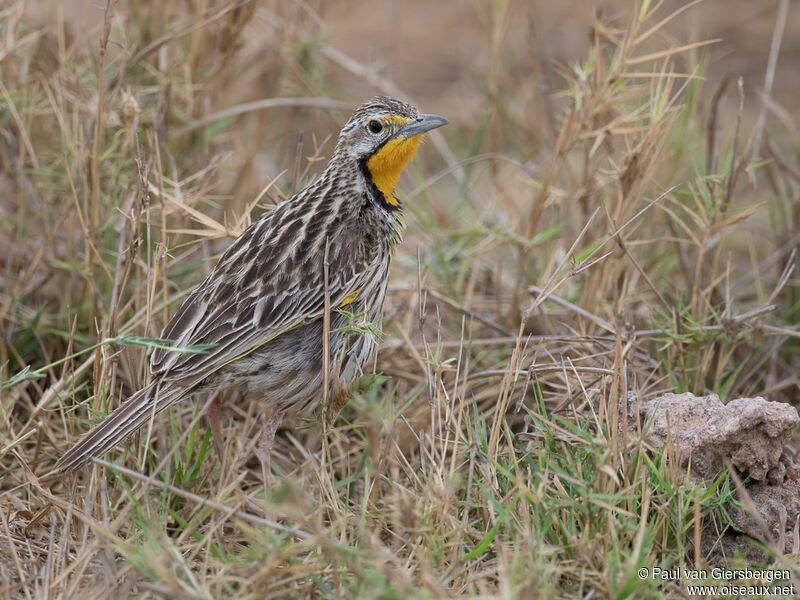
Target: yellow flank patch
{"points": [[349, 298], [387, 163]]}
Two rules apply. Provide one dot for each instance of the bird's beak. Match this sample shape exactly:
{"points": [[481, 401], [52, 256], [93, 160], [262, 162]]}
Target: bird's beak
{"points": [[422, 124]]}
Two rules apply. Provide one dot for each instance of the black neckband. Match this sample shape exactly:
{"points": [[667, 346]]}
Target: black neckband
{"points": [[373, 189]]}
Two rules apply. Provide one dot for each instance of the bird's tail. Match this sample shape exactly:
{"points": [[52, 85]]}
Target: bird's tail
{"points": [[121, 423]]}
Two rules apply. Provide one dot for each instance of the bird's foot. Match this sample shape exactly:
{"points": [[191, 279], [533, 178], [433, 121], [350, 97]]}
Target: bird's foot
{"points": [[266, 439]]}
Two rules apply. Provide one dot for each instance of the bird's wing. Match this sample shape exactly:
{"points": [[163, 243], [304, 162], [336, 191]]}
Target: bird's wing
{"points": [[263, 286]]}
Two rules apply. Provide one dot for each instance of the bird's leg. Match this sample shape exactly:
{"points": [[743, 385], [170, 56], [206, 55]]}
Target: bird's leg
{"points": [[265, 441], [214, 419]]}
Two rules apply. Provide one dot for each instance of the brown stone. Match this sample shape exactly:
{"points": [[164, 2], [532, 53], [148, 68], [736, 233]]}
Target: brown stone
{"points": [[750, 433]]}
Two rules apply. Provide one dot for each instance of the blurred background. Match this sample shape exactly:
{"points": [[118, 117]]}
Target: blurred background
{"points": [[491, 67]]}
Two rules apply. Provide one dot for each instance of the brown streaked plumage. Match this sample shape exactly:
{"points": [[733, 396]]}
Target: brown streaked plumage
{"points": [[262, 306]]}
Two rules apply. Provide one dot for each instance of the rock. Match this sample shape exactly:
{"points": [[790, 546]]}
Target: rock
{"points": [[750, 433], [778, 508]]}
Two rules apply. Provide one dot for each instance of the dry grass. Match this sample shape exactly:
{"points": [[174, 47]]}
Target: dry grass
{"points": [[634, 237]]}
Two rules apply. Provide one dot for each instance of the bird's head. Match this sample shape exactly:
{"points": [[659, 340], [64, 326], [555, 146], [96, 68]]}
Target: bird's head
{"points": [[383, 136]]}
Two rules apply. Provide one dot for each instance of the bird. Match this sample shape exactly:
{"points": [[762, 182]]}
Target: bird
{"points": [[303, 269]]}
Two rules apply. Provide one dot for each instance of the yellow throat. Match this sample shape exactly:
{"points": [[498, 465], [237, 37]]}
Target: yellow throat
{"points": [[387, 163]]}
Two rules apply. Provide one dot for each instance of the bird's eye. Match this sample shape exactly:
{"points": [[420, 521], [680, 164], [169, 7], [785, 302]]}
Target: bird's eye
{"points": [[374, 126]]}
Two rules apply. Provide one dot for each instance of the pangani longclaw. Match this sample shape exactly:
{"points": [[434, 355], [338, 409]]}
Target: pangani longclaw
{"points": [[262, 307]]}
